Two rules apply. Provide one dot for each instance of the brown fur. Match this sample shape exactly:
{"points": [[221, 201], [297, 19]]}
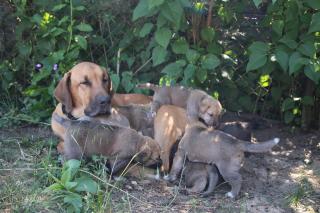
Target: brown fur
{"points": [[118, 143], [199, 105], [127, 99], [200, 144]]}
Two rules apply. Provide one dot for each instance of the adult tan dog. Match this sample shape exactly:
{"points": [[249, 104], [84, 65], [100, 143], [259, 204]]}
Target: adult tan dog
{"points": [[206, 145], [127, 99], [120, 144], [86, 90], [199, 105]]}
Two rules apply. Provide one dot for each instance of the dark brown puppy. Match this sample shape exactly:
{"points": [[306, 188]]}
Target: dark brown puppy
{"points": [[206, 145], [137, 115], [199, 105], [120, 144], [127, 99], [199, 175]]}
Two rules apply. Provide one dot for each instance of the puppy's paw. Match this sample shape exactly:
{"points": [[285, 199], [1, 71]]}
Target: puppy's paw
{"points": [[166, 177], [230, 195]]}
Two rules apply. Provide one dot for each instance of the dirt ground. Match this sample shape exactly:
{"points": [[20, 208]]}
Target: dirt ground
{"points": [[284, 180]]}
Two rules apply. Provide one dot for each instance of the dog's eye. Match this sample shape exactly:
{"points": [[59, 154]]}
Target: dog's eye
{"points": [[86, 82], [105, 80]]}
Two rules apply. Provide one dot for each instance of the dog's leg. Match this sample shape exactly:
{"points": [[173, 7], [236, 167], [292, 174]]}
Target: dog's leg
{"points": [[117, 165], [165, 157], [177, 165], [213, 180], [199, 185], [230, 174]]}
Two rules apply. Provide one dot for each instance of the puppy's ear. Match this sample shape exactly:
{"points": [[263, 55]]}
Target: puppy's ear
{"points": [[204, 104], [63, 94], [144, 154]]}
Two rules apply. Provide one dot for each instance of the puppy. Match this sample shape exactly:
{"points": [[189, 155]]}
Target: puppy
{"points": [[206, 145], [120, 144], [199, 175], [127, 99], [137, 115], [199, 105]]}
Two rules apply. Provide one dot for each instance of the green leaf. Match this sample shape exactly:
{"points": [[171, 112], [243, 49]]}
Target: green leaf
{"points": [[44, 72], [259, 47], [84, 27], [161, 21], [289, 42], [307, 100], [115, 81], [55, 187], [73, 199], [174, 70], [288, 117], [312, 71], [192, 56], [58, 7], [142, 9], [146, 29], [85, 184], [277, 26], [79, 8], [314, 4], [158, 55], [210, 62], [256, 61], [296, 62], [81, 41], [163, 36], [208, 34], [126, 81], [287, 104], [201, 75], [70, 168], [315, 23], [180, 46], [172, 11], [24, 49], [282, 58], [189, 71], [70, 185], [307, 49], [257, 2], [155, 3]]}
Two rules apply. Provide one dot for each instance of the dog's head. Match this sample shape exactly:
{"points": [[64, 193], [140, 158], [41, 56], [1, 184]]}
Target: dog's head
{"points": [[149, 153], [210, 110], [86, 90]]}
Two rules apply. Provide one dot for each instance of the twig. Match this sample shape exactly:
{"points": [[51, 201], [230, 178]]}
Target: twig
{"points": [[71, 25], [118, 61], [143, 65]]}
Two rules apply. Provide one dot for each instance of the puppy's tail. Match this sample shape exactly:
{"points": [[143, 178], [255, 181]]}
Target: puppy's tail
{"points": [[260, 147], [62, 121], [148, 86]]}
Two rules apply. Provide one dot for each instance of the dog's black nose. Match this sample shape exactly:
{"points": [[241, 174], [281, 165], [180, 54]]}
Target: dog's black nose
{"points": [[104, 99]]}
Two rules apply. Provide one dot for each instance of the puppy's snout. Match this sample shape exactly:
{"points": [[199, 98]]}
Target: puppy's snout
{"points": [[104, 99]]}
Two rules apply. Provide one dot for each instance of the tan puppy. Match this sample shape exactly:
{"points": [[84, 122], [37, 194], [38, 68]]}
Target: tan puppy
{"points": [[137, 115], [200, 144], [169, 126], [199, 105], [127, 99], [118, 143], [199, 175]]}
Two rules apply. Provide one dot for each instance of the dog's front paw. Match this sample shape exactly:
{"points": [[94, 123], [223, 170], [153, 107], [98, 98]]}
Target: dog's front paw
{"points": [[230, 195]]}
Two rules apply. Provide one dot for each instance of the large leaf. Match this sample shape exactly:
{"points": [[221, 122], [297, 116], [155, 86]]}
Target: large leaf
{"points": [[312, 71], [289, 42], [287, 104], [315, 4], [277, 26], [259, 47], [207, 34], [315, 23], [307, 49], [163, 36], [155, 3], [201, 75], [73, 199], [158, 55], [81, 41], [84, 27], [180, 46], [146, 29], [257, 2], [192, 56], [258, 55], [174, 70], [115, 81], [172, 11], [189, 71], [282, 58], [126, 81], [86, 184], [210, 62], [296, 62], [142, 9], [70, 168]]}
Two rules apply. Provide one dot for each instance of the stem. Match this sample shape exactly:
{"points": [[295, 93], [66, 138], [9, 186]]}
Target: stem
{"points": [[70, 26]]}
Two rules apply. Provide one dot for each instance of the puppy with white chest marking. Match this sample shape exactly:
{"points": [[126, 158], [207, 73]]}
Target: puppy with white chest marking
{"points": [[206, 145], [199, 105], [119, 143]]}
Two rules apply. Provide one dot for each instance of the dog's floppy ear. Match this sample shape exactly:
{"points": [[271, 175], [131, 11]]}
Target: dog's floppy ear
{"points": [[144, 153], [109, 88], [63, 94]]}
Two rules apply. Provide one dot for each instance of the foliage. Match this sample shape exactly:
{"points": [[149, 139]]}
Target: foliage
{"points": [[256, 56]]}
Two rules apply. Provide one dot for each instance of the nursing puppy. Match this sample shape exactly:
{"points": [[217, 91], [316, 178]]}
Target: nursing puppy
{"points": [[119, 143], [199, 105], [203, 178], [205, 145], [137, 115]]}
